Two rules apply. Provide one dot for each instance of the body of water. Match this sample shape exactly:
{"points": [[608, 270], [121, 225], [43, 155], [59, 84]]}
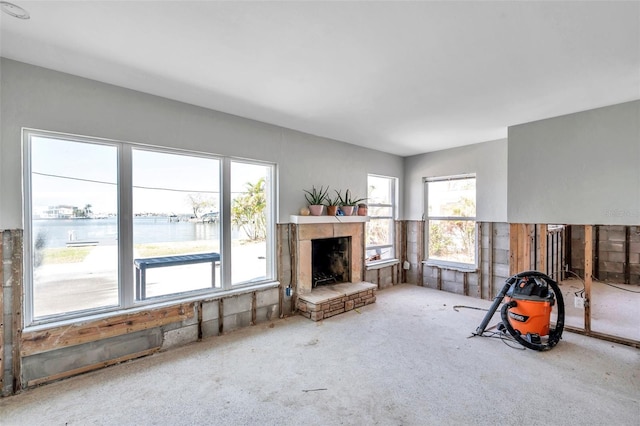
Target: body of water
{"points": [[59, 232]]}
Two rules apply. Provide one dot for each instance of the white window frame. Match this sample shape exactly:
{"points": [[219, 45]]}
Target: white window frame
{"points": [[393, 218], [126, 283], [446, 263]]}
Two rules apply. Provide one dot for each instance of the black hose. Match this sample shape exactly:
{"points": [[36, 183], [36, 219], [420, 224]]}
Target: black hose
{"points": [[554, 335]]}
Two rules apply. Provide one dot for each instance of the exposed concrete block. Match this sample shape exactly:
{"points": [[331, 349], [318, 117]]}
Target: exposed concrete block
{"points": [[210, 310], [73, 357], [210, 328], [266, 313], [268, 297], [501, 256], [180, 337], [233, 322], [237, 304]]}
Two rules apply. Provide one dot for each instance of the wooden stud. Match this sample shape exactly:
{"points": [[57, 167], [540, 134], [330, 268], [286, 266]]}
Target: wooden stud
{"points": [[421, 241], [2, 312], [490, 262], [465, 283], [16, 290], [627, 254], [542, 247], [525, 235], [199, 306], [254, 314], [588, 271], [439, 279], [220, 316], [514, 248], [479, 260], [293, 248], [35, 342]]}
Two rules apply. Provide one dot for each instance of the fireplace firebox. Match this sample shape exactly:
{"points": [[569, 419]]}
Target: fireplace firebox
{"points": [[330, 261]]}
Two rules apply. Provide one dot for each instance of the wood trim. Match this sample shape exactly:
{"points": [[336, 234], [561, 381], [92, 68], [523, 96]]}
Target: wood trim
{"points": [[35, 342], [604, 336]]}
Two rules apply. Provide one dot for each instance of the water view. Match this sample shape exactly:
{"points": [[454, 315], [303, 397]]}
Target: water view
{"points": [[58, 233]]}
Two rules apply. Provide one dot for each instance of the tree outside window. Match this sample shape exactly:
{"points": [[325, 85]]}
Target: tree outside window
{"points": [[451, 226]]}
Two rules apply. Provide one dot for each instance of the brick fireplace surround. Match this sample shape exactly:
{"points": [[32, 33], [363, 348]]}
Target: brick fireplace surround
{"points": [[329, 300]]}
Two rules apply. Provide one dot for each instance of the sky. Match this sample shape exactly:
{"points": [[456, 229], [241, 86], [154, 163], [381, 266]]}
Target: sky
{"points": [[77, 174]]}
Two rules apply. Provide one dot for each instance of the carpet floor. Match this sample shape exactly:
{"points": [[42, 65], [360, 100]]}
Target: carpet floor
{"points": [[405, 360]]}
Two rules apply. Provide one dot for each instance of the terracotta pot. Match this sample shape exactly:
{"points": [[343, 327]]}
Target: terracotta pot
{"points": [[362, 210], [332, 210], [316, 209], [347, 210]]}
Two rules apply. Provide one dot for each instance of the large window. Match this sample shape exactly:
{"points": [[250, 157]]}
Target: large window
{"points": [[112, 225], [380, 230], [451, 226]]}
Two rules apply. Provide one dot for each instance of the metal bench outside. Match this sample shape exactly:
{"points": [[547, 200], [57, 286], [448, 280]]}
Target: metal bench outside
{"points": [[158, 262]]}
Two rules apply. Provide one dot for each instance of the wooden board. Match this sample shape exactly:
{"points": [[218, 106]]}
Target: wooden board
{"points": [[35, 342]]}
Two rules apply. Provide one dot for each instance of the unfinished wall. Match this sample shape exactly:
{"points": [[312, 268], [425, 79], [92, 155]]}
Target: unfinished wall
{"points": [[616, 253], [43, 354], [493, 266]]}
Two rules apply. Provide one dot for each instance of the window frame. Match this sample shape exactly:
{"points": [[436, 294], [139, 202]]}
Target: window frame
{"points": [[394, 214], [126, 281], [429, 261]]}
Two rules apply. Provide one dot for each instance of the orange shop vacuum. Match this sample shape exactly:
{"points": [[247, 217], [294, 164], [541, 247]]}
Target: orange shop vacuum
{"points": [[529, 299]]}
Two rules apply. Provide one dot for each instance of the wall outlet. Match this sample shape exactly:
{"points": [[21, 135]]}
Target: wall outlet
{"points": [[406, 265], [578, 302]]}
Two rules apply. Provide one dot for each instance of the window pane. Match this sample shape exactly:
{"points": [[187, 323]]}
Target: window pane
{"points": [[250, 206], [380, 190], [379, 232], [449, 198], [452, 240], [380, 211], [74, 228], [176, 204]]}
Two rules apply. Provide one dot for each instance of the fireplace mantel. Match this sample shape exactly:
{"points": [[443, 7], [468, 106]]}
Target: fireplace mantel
{"points": [[300, 220]]}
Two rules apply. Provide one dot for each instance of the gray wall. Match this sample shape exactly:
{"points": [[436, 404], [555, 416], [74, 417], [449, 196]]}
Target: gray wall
{"points": [[43, 99], [581, 168], [488, 160]]}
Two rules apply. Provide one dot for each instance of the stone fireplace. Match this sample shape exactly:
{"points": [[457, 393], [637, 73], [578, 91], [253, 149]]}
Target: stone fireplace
{"points": [[328, 265]]}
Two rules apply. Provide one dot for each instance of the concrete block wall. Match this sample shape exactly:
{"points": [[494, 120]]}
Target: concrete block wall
{"points": [[32, 357], [609, 254], [484, 282], [384, 277]]}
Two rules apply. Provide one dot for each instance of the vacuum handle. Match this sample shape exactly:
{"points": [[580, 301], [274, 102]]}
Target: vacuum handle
{"points": [[493, 308]]}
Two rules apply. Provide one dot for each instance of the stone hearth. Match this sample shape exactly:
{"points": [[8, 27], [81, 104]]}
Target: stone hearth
{"points": [[330, 300]]}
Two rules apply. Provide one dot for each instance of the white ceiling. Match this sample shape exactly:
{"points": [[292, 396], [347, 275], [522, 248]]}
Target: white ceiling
{"points": [[400, 77]]}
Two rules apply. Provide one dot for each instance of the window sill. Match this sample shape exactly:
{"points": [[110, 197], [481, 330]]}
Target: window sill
{"points": [[379, 264], [460, 267]]}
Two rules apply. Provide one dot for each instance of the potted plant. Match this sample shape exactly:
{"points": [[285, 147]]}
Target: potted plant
{"points": [[316, 199], [347, 203], [332, 205]]}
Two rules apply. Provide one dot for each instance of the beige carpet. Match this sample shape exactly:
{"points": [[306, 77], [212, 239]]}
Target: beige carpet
{"points": [[405, 360]]}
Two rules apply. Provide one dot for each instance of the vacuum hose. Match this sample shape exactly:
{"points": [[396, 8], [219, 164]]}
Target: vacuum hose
{"points": [[554, 334]]}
